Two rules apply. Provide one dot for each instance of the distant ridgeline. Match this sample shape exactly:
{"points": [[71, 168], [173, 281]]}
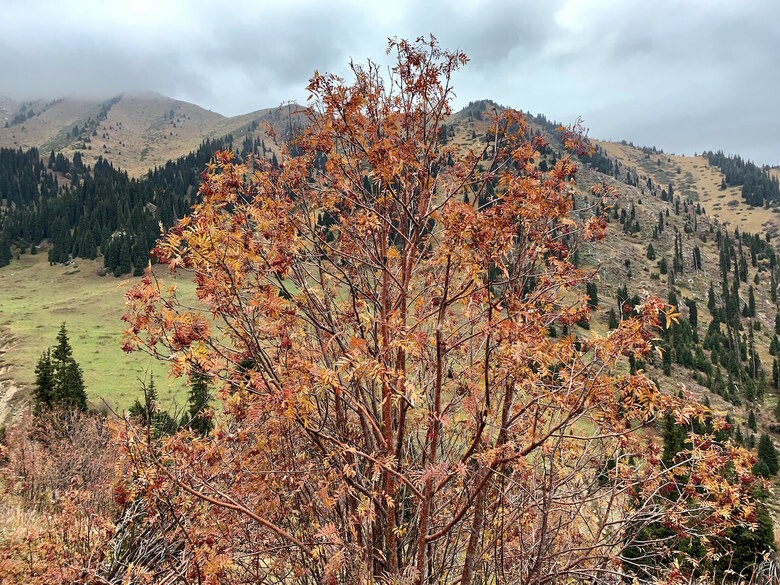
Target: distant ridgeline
{"points": [[758, 186], [84, 211]]}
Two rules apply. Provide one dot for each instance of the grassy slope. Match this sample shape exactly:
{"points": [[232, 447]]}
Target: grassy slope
{"points": [[36, 298], [701, 182], [140, 131], [92, 305]]}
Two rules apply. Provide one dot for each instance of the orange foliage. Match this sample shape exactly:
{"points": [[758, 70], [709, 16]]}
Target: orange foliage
{"points": [[56, 475], [394, 408]]}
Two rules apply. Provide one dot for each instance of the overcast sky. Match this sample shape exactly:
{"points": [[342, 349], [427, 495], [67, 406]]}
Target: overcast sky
{"points": [[683, 75]]}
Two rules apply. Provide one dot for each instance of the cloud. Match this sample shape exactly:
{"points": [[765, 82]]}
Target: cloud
{"points": [[683, 75]]}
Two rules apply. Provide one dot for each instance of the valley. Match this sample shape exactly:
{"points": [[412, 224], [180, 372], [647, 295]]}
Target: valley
{"points": [[669, 230], [36, 298]]}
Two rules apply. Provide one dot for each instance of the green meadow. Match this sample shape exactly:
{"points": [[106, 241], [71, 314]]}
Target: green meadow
{"points": [[36, 298]]}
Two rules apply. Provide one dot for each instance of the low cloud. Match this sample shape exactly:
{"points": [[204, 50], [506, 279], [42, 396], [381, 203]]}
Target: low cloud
{"points": [[683, 75]]}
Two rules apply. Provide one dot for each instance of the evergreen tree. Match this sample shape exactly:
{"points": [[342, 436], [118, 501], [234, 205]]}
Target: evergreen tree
{"points": [[613, 320], [62, 352], [693, 313], [43, 393], [767, 454], [775, 374], [149, 414], [711, 303], [125, 264], [674, 439], [650, 251], [696, 258], [198, 402], [69, 382], [752, 421], [593, 294]]}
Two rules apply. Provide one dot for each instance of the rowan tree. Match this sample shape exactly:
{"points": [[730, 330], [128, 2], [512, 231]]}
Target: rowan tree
{"points": [[393, 406]]}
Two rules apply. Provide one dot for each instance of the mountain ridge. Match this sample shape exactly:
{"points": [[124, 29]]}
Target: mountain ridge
{"points": [[134, 130]]}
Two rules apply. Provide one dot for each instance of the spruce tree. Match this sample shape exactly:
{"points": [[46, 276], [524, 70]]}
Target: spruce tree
{"points": [[43, 393], [613, 320], [198, 401], [593, 295], [674, 439], [752, 421], [767, 454], [68, 378]]}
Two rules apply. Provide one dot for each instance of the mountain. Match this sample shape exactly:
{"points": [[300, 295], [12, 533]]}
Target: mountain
{"points": [[134, 131], [681, 226]]}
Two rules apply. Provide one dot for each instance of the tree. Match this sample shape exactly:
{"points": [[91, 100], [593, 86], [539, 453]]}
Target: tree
{"points": [[43, 393], [696, 258], [59, 381], [198, 403], [650, 251], [693, 314], [752, 421], [767, 454], [613, 320], [393, 406], [592, 292], [148, 413]]}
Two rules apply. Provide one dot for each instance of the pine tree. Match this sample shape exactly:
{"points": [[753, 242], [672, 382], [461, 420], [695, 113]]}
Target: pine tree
{"points": [[696, 258], [125, 264], [593, 295], [70, 386], [68, 379], [650, 251], [62, 351], [693, 313], [198, 401], [613, 320], [752, 421], [145, 412], [767, 454], [711, 304], [674, 439], [43, 393]]}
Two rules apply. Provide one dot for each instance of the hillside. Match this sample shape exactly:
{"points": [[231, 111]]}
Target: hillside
{"points": [[673, 230], [675, 204], [134, 131]]}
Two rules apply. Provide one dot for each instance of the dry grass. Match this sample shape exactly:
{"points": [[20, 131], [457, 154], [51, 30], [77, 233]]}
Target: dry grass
{"points": [[698, 180]]}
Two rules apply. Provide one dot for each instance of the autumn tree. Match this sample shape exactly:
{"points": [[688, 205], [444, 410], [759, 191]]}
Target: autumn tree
{"points": [[377, 313]]}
